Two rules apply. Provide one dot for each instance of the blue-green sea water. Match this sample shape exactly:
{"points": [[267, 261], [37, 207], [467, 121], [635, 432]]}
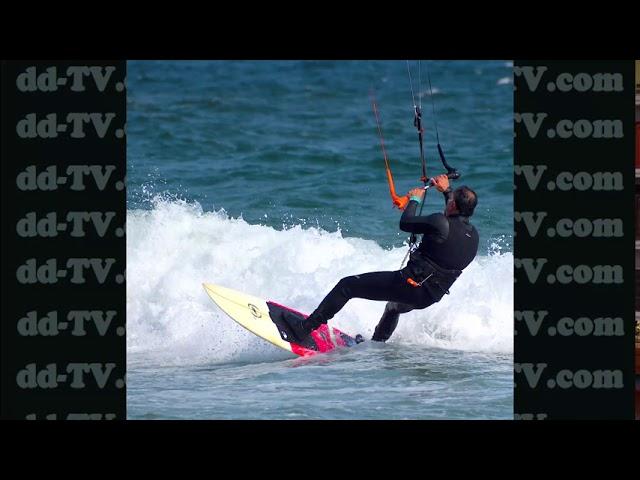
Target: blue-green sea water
{"points": [[268, 177]]}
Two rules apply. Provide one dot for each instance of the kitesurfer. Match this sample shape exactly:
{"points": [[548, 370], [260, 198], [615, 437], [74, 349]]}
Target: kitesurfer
{"points": [[448, 245]]}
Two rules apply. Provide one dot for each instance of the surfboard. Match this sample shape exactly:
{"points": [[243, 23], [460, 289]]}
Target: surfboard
{"points": [[268, 320]]}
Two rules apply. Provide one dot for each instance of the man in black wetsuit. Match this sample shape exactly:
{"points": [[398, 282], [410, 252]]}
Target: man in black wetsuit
{"points": [[448, 245]]}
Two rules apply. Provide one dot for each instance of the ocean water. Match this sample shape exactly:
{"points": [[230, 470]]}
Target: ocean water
{"points": [[267, 177]]}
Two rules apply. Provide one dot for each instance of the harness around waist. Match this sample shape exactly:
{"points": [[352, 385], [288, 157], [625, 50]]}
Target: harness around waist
{"points": [[423, 270]]}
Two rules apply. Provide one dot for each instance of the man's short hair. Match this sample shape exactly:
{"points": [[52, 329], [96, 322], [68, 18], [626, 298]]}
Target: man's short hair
{"points": [[466, 200]]}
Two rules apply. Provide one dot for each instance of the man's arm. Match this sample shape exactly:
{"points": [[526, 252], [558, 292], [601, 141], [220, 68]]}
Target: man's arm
{"points": [[441, 182], [435, 224], [448, 195]]}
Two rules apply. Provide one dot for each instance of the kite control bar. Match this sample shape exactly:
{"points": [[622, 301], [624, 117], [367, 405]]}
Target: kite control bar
{"points": [[402, 202], [451, 176]]}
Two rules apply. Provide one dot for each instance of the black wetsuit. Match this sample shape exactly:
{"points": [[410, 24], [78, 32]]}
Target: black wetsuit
{"points": [[448, 245]]}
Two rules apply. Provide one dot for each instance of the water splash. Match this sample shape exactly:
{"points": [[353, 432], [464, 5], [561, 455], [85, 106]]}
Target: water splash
{"points": [[175, 246]]}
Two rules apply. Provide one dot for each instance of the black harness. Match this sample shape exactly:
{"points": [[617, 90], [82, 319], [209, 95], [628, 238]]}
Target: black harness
{"points": [[421, 271]]}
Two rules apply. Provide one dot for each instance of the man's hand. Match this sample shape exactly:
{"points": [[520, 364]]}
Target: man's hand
{"points": [[416, 192], [441, 182]]}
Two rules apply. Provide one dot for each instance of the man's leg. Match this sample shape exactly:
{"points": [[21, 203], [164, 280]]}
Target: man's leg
{"points": [[389, 320], [371, 286], [383, 286]]}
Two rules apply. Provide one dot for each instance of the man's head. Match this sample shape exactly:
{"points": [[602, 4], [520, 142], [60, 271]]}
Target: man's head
{"points": [[463, 203]]}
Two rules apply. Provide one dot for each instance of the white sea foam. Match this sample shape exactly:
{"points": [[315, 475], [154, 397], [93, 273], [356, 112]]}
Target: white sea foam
{"points": [[175, 247]]}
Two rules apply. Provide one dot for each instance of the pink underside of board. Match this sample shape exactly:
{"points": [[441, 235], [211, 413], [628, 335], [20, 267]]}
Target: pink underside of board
{"points": [[320, 336]]}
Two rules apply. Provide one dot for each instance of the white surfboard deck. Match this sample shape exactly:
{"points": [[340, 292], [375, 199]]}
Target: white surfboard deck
{"points": [[253, 314]]}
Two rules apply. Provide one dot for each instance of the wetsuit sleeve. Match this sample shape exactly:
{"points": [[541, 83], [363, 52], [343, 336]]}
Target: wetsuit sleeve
{"points": [[435, 224]]}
